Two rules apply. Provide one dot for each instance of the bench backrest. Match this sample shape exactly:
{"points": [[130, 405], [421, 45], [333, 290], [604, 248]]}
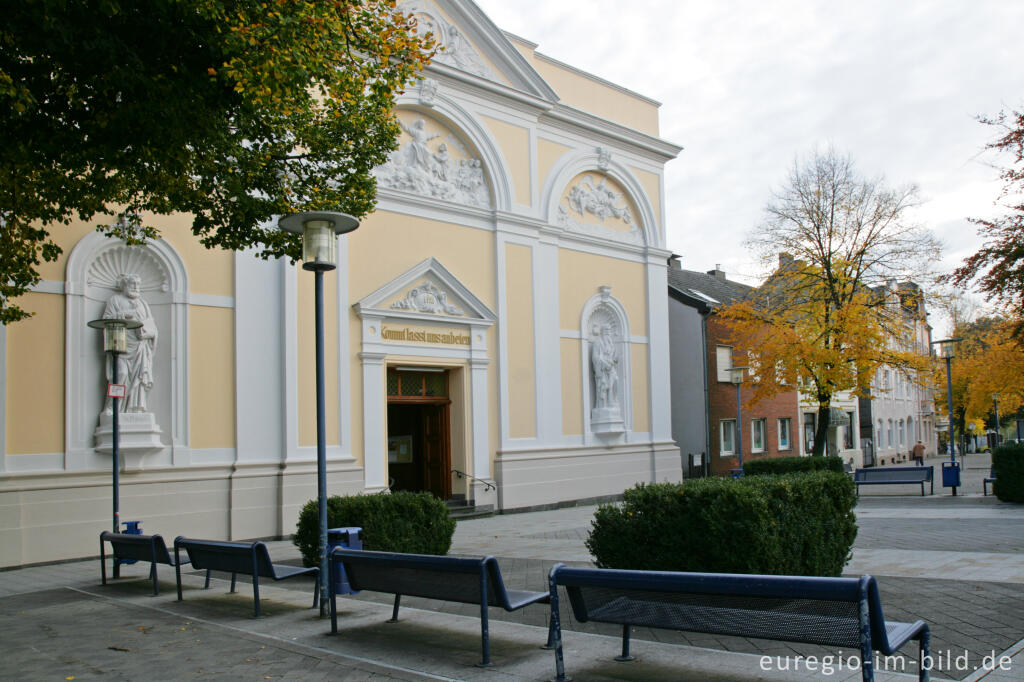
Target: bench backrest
{"points": [[792, 608], [233, 557], [138, 547], [914, 473], [448, 578]]}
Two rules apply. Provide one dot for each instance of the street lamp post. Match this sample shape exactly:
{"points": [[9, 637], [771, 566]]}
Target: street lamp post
{"points": [[995, 402], [736, 376], [115, 342], [319, 230], [947, 350]]}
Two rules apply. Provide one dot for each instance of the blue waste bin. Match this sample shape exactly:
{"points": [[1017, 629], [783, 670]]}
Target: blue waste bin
{"points": [[951, 474], [130, 528], [349, 538], [736, 473]]}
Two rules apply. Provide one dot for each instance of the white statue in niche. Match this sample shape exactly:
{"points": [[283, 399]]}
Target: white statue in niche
{"points": [[134, 367], [604, 360]]}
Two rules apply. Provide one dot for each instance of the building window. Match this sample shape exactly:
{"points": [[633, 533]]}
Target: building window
{"points": [[785, 428], [889, 440], [728, 437], [903, 434], [723, 356], [757, 435], [809, 424]]}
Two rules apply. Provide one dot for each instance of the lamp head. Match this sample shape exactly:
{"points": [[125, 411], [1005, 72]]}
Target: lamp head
{"points": [[318, 230], [736, 374], [115, 337]]}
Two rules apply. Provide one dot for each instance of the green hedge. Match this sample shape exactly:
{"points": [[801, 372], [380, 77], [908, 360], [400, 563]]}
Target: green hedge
{"points": [[795, 524], [412, 523], [792, 465], [1008, 464]]}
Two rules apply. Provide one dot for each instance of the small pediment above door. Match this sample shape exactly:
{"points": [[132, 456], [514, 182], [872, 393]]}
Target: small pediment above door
{"points": [[428, 292]]}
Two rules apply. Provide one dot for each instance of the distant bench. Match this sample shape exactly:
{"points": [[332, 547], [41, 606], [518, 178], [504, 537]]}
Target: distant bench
{"points": [[895, 476], [843, 612], [991, 478], [131, 547], [455, 579], [247, 558]]}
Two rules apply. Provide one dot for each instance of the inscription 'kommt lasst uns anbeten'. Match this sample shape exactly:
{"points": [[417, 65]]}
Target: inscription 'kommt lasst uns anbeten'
{"points": [[424, 336]]}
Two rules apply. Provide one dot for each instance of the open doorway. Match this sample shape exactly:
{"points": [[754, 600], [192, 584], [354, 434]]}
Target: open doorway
{"points": [[419, 431]]}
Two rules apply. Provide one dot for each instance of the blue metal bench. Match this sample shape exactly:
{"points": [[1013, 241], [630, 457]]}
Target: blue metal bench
{"points": [[247, 558], [844, 612], [462, 580], [895, 476], [991, 478], [131, 547]]}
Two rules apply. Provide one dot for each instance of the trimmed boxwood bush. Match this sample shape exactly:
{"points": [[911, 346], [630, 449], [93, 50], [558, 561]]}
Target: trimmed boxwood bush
{"points": [[1008, 465], [795, 524], [411, 523], [791, 465]]}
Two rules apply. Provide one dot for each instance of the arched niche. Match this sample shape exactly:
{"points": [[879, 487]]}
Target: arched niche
{"points": [[446, 155], [605, 364], [591, 194], [94, 269]]}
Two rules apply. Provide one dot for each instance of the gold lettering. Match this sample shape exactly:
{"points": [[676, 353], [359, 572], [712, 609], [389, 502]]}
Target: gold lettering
{"points": [[424, 336]]}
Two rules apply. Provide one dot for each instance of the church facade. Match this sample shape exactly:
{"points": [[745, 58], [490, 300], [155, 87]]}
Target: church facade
{"points": [[496, 331]]}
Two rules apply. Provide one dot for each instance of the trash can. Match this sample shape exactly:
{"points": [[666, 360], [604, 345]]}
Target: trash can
{"points": [[951, 474], [736, 473], [349, 539], [130, 528]]}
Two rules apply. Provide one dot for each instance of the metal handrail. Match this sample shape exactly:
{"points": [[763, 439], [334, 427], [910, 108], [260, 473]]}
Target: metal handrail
{"points": [[487, 484]]}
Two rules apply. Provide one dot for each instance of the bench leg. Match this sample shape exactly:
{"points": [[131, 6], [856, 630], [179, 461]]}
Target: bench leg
{"points": [[152, 575], [332, 593], [625, 646], [177, 572], [255, 590], [551, 636], [923, 654], [233, 576], [316, 592], [555, 632], [206, 586], [394, 612], [485, 635]]}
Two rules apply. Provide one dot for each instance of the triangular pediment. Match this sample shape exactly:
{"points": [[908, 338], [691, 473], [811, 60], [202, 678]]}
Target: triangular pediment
{"points": [[426, 292], [474, 46]]}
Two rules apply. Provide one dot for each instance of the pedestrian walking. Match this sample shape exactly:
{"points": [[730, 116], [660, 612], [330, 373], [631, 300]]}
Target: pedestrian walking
{"points": [[918, 453]]}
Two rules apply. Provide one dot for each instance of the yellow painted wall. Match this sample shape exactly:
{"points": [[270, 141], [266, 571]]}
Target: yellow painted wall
{"points": [[519, 330], [581, 274], [307, 357], [66, 237], [652, 187], [514, 142], [386, 246], [35, 377], [210, 271], [548, 153], [572, 398], [211, 378], [641, 394], [598, 98]]}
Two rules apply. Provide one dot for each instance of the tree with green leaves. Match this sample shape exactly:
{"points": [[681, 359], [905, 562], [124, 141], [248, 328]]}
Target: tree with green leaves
{"points": [[232, 111], [998, 267], [841, 300]]}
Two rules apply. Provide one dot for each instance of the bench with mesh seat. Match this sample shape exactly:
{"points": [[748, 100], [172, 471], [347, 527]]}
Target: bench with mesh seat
{"points": [[895, 476], [991, 478], [454, 579], [247, 558], [843, 612], [127, 547]]}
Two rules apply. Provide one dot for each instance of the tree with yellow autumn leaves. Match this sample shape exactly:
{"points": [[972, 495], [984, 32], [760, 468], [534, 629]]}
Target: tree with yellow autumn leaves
{"points": [[840, 302]]}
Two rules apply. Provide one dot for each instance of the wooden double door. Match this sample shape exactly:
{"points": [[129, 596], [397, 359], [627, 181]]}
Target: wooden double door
{"points": [[419, 446]]}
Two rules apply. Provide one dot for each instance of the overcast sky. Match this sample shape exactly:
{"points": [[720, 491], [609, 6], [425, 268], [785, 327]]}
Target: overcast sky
{"points": [[748, 85]]}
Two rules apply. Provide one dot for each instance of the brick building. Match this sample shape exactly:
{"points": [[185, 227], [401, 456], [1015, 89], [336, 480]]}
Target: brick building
{"points": [[768, 427]]}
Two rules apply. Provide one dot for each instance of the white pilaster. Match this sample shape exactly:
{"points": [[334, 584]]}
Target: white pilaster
{"points": [[3, 398], [658, 348], [290, 365], [374, 413], [547, 342], [478, 364]]}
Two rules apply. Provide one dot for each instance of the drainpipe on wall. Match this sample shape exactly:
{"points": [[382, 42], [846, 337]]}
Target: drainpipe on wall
{"points": [[707, 393]]}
